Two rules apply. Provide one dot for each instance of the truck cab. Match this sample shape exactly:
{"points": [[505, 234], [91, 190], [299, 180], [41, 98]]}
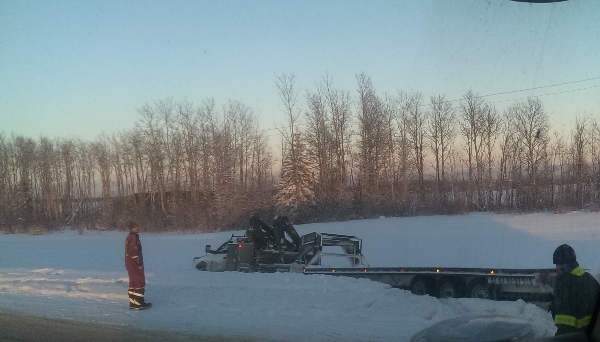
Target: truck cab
{"points": [[216, 260]]}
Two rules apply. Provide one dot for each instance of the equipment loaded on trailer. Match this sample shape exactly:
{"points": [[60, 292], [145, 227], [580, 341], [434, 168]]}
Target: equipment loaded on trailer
{"points": [[281, 249]]}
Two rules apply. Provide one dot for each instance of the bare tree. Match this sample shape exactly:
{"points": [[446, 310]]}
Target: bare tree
{"points": [[372, 144], [25, 158], [508, 161], [85, 176], [559, 156], [45, 157], [490, 130], [403, 152], [207, 127], [532, 127], [236, 138], [239, 118], [172, 146], [189, 121], [153, 134], [261, 163], [416, 123], [117, 162], [390, 168], [102, 154], [329, 142], [442, 133], [595, 156], [579, 147], [319, 141], [68, 154], [338, 102], [139, 159], [288, 94], [5, 184], [471, 123]]}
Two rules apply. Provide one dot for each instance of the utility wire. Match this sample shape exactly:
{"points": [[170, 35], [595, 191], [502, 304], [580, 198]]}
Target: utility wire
{"points": [[534, 88], [555, 93], [542, 87]]}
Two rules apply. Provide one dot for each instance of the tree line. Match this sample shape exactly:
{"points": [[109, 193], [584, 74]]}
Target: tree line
{"points": [[343, 155]]}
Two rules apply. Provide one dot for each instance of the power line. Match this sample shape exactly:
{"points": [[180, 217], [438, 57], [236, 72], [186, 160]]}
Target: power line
{"points": [[555, 93], [542, 87], [534, 88]]}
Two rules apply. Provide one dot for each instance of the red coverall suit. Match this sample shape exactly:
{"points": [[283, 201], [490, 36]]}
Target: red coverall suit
{"points": [[134, 263]]}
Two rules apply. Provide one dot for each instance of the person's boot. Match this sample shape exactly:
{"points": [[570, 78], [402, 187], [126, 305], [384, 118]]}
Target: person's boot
{"points": [[144, 304], [136, 299]]}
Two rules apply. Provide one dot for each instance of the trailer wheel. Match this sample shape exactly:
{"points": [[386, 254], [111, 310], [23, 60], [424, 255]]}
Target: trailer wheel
{"points": [[478, 288], [449, 288], [201, 266], [421, 286]]}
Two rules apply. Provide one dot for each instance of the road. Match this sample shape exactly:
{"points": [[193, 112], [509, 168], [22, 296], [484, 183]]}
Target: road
{"points": [[19, 328]]}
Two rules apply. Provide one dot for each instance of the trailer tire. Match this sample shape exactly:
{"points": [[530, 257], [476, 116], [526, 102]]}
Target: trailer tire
{"points": [[422, 286], [478, 288], [449, 288], [201, 266]]}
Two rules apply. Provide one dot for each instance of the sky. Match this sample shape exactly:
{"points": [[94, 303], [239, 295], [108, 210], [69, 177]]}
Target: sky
{"points": [[78, 69], [81, 277]]}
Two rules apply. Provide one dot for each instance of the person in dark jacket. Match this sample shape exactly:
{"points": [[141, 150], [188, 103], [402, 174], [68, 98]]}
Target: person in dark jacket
{"points": [[575, 293], [134, 263]]}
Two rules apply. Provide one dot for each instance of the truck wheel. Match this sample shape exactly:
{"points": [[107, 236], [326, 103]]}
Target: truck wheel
{"points": [[449, 288], [421, 286], [201, 266], [478, 288]]}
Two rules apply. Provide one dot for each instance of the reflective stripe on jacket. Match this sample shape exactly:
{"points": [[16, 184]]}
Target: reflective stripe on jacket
{"points": [[572, 321]]}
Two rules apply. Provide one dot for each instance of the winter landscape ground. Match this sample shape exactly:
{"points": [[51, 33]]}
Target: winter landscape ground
{"points": [[81, 278]]}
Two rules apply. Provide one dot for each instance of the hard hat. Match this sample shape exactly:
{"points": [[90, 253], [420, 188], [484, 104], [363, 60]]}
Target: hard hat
{"points": [[564, 254]]}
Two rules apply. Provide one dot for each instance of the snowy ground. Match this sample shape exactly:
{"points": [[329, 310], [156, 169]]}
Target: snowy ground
{"points": [[81, 277]]}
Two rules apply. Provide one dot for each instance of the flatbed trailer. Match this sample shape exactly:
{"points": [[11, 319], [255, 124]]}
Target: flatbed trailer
{"points": [[533, 285]]}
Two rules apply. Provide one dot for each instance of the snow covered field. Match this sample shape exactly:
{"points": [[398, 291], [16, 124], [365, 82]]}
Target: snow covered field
{"points": [[70, 276]]}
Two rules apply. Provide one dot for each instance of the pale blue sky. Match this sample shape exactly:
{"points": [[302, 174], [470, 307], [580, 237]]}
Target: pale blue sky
{"points": [[79, 68]]}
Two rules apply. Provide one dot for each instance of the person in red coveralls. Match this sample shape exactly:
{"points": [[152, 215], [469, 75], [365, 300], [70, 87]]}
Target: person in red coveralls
{"points": [[134, 263]]}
